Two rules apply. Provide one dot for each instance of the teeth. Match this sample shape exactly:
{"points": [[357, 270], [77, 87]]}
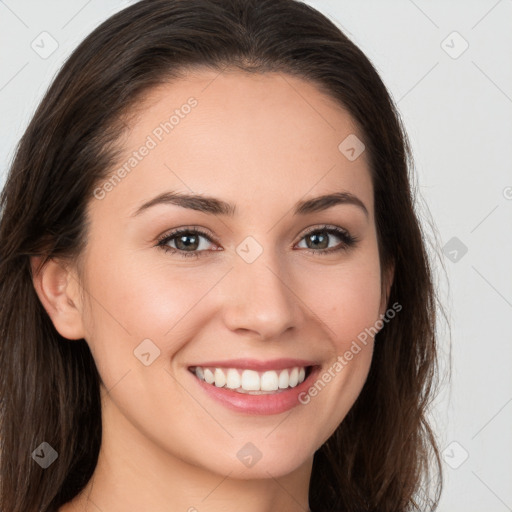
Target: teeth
{"points": [[294, 377], [233, 380], [283, 379], [220, 378], [250, 381], [269, 381], [208, 376]]}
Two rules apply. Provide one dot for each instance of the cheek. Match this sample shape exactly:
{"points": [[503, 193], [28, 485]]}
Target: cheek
{"points": [[346, 296], [131, 301], [347, 301], [356, 305]]}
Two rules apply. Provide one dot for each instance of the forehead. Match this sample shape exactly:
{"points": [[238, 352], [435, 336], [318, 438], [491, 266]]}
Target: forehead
{"points": [[239, 136]]}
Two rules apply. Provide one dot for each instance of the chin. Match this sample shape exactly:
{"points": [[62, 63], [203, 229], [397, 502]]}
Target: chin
{"points": [[252, 463]]}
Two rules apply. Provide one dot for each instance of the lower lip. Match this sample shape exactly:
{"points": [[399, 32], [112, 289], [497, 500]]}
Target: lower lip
{"points": [[259, 404]]}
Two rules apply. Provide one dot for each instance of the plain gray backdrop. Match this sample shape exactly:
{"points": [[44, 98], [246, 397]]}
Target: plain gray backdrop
{"points": [[448, 67]]}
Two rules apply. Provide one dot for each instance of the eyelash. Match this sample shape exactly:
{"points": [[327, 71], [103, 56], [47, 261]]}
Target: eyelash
{"points": [[347, 240]]}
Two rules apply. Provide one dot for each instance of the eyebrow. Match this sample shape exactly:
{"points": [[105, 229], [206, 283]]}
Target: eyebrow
{"points": [[214, 206]]}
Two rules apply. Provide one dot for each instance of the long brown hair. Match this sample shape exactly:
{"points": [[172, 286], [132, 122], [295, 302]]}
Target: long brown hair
{"points": [[384, 453]]}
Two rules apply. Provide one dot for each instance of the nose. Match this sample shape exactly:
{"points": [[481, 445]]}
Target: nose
{"points": [[259, 298]]}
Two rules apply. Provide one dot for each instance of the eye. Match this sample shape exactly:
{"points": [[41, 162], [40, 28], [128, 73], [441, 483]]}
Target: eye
{"points": [[186, 242], [193, 242], [318, 240]]}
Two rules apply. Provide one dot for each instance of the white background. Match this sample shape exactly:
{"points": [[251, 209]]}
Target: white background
{"points": [[458, 114]]}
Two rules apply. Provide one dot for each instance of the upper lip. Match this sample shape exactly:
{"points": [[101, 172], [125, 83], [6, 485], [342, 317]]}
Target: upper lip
{"points": [[254, 364]]}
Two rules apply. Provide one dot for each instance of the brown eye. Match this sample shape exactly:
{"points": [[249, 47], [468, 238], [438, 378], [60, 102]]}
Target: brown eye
{"points": [[187, 241]]}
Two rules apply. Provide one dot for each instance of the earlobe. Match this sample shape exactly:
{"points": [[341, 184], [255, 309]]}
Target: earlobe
{"points": [[58, 290]]}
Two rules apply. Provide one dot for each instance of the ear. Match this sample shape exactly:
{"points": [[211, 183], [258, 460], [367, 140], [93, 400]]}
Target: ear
{"points": [[387, 282], [58, 290]]}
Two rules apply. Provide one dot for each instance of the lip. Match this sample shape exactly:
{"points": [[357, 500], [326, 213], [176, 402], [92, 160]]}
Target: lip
{"points": [[254, 364], [258, 404]]}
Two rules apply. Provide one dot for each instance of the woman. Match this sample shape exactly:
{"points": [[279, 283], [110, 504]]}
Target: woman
{"points": [[215, 290]]}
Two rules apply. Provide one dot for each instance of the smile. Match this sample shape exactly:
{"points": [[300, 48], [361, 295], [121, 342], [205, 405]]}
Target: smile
{"points": [[255, 387], [251, 381]]}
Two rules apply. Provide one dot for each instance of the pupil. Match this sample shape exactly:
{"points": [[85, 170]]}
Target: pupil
{"points": [[183, 238], [316, 237]]}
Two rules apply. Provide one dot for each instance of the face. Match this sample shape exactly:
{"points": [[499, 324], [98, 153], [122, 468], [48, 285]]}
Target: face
{"points": [[261, 286]]}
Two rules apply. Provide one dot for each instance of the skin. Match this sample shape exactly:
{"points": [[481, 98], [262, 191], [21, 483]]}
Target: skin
{"points": [[261, 142]]}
